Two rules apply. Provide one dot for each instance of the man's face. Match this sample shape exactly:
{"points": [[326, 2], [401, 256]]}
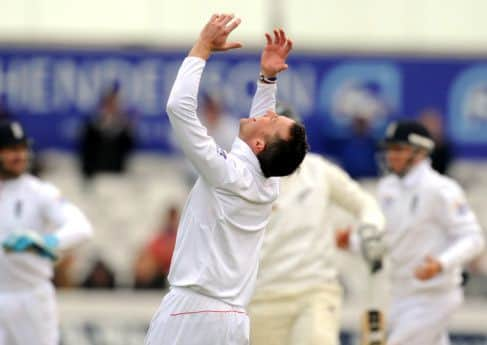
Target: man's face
{"points": [[399, 157], [14, 160], [264, 127]]}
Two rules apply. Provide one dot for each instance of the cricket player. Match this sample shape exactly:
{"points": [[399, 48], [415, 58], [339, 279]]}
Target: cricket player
{"points": [[36, 225], [298, 298], [431, 232], [214, 265]]}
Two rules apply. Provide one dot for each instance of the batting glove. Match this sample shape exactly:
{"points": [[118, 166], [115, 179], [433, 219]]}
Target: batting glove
{"points": [[45, 246], [372, 246]]}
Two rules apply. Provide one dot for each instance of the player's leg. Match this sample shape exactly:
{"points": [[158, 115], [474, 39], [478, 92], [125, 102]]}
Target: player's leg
{"points": [[49, 327], [271, 320], [38, 312], [9, 315], [445, 339], [3, 325], [3, 336], [318, 322], [186, 318], [432, 336], [422, 319], [4, 333]]}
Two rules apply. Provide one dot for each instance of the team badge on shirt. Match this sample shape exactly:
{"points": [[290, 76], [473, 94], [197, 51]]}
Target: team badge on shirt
{"points": [[414, 204], [18, 208], [221, 152]]}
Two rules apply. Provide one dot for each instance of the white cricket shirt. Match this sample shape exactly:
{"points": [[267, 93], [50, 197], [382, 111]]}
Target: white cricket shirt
{"points": [[29, 204], [222, 224], [298, 250], [427, 214]]}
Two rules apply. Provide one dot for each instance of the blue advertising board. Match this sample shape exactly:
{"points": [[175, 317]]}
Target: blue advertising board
{"points": [[52, 91]]}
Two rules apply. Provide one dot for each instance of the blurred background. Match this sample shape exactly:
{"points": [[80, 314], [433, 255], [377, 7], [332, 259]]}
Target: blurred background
{"points": [[89, 80]]}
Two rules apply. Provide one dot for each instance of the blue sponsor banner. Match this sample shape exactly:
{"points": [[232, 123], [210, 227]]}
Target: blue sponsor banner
{"points": [[53, 91]]}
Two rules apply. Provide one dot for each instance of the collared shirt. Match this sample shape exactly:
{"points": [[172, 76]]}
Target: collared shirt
{"points": [[29, 204], [427, 214], [222, 225], [298, 253]]}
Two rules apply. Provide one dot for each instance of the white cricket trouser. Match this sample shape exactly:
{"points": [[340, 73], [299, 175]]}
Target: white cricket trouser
{"points": [[423, 318], [29, 317], [310, 318], [189, 318]]}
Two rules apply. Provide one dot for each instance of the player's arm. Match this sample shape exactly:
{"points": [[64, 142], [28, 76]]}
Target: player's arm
{"points": [[462, 229], [348, 194], [191, 135], [69, 228], [272, 62]]}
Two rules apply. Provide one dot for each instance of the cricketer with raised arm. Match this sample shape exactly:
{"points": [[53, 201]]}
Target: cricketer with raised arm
{"points": [[215, 261]]}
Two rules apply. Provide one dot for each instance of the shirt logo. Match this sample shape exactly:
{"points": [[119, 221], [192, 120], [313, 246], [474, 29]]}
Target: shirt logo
{"points": [[414, 204], [18, 208], [17, 130], [221, 152]]}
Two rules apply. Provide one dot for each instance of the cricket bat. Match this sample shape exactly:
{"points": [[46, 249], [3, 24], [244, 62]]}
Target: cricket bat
{"points": [[373, 330], [373, 321]]}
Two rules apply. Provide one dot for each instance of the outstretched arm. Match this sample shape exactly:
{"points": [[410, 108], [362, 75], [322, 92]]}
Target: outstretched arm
{"points": [[272, 62], [191, 135], [368, 238]]}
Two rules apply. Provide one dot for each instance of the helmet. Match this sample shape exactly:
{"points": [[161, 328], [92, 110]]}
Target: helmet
{"points": [[11, 134], [408, 133]]}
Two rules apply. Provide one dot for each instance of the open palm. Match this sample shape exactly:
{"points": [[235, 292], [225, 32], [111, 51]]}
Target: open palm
{"points": [[217, 30], [274, 55]]}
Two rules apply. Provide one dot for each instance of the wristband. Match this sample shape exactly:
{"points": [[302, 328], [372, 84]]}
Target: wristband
{"points": [[267, 80]]}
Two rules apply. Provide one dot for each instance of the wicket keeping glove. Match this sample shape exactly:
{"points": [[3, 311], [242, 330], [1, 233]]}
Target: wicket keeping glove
{"points": [[372, 246], [43, 245]]}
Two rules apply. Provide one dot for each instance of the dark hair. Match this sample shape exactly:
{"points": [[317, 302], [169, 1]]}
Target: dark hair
{"points": [[282, 157]]}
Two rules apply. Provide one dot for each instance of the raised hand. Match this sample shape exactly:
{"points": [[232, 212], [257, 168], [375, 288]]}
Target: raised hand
{"points": [[214, 36], [274, 55]]}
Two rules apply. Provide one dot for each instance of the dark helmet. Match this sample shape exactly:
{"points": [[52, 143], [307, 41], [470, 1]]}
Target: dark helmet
{"points": [[408, 133], [287, 111], [12, 134]]}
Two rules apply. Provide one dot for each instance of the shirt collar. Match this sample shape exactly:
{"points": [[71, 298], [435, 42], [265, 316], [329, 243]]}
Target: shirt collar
{"points": [[243, 151], [415, 175]]}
